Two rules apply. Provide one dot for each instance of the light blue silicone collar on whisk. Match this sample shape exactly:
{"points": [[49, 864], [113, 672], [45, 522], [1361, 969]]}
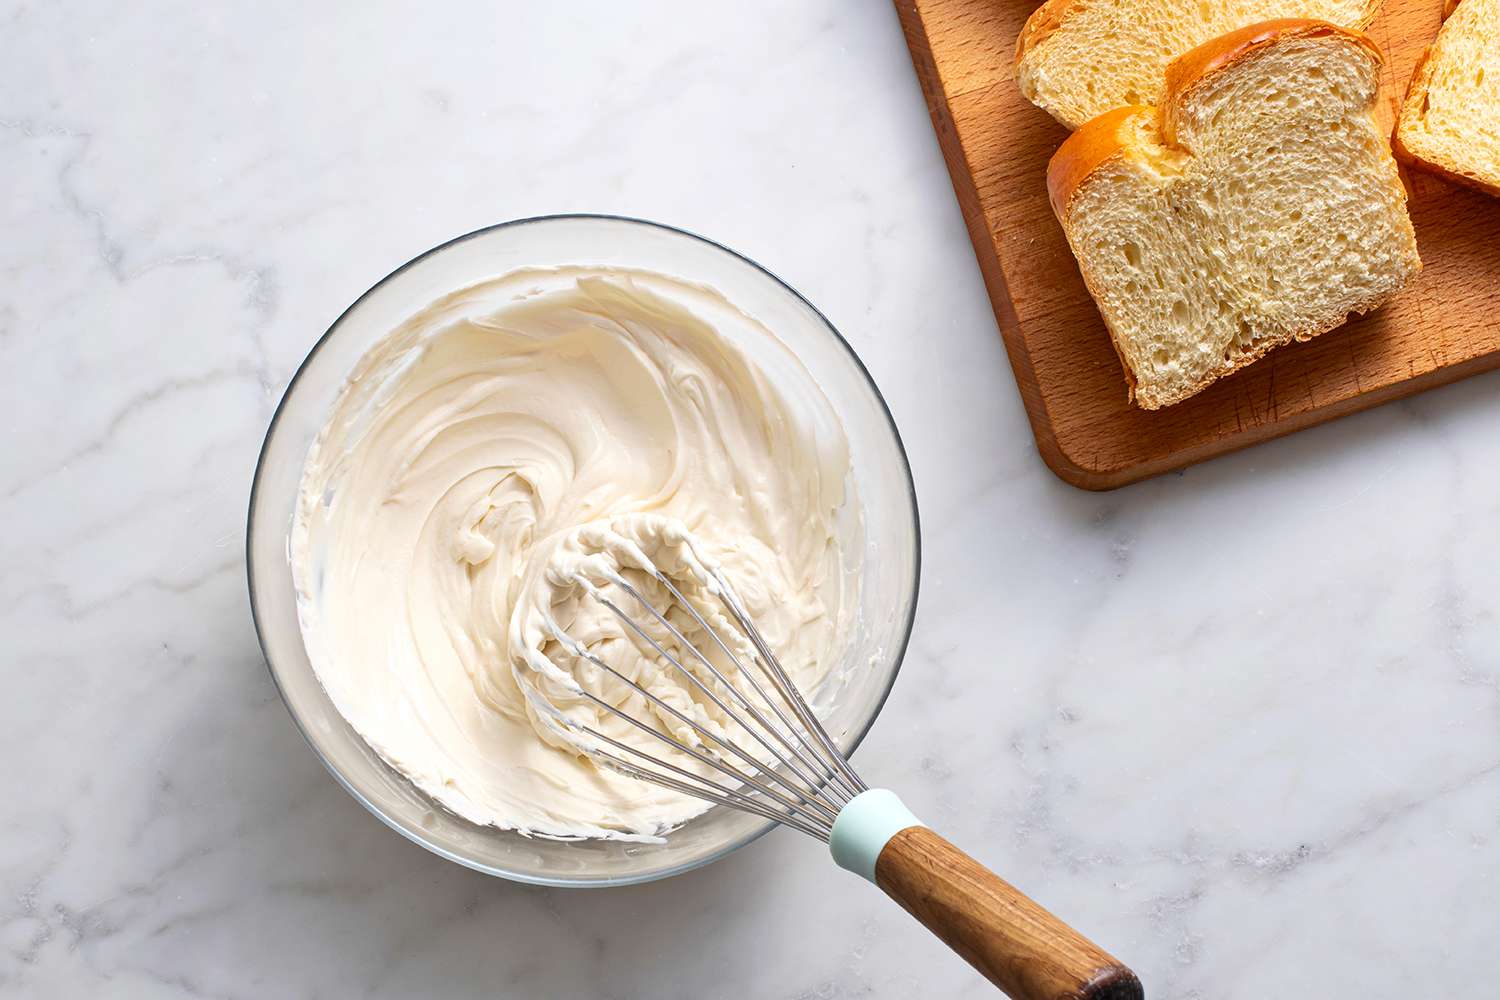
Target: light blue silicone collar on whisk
{"points": [[864, 827]]}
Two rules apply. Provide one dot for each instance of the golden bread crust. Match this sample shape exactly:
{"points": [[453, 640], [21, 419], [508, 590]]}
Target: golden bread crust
{"points": [[1043, 21], [1107, 137]]}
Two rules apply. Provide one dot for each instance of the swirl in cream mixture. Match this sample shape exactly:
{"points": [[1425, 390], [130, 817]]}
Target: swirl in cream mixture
{"points": [[477, 444]]}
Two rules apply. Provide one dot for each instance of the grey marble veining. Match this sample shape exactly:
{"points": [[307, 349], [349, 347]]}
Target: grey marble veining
{"points": [[1241, 724]]}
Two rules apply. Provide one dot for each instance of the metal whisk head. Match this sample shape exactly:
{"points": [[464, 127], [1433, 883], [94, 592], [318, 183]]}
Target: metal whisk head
{"points": [[766, 753]]}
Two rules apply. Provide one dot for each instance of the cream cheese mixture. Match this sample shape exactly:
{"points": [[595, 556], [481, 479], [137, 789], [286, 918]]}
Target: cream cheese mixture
{"points": [[503, 428]]}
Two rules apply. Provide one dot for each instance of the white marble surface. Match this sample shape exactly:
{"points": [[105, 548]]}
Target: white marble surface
{"points": [[1242, 724]]}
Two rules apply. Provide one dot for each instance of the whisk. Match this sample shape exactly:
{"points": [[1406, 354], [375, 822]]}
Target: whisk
{"points": [[775, 759]]}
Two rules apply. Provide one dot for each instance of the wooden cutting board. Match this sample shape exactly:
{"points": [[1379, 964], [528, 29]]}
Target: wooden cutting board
{"points": [[1445, 327]]}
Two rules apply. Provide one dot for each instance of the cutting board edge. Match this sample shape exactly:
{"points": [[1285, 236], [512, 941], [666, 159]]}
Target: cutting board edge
{"points": [[990, 268]]}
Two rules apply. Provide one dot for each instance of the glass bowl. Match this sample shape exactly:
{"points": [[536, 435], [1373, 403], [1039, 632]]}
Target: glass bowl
{"points": [[884, 534]]}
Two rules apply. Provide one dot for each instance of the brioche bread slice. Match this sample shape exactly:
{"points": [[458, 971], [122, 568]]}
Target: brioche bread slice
{"points": [[1259, 204], [1450, 123], [1077, 59]]}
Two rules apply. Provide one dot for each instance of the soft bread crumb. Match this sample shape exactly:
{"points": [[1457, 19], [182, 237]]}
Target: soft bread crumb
{"points": [[1272, 212]]}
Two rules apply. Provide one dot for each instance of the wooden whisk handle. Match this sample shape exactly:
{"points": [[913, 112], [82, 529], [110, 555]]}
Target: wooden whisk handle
{"points": [[1020, 947], [1017, 945]]}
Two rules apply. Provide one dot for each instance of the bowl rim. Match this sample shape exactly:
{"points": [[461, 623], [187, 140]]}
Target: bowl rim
{"points": [[251, 530]]}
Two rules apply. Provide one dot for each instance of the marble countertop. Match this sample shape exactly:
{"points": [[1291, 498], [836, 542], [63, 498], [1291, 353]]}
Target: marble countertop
{"points": [[1240, 724]]}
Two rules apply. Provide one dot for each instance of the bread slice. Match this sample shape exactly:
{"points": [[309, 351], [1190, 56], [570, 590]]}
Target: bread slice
{"points": [[1258, 205], [1080, 58], [1450, 123]]}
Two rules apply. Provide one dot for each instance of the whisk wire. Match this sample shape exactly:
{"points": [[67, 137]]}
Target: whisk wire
{"points": [[812, 784], [830, 771], [703, 758], [788, 690], [803, 781], [701, 787]]}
